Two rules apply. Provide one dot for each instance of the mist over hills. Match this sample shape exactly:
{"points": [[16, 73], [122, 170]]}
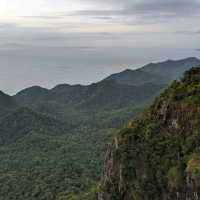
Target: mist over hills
{"points": [[60, 133]]}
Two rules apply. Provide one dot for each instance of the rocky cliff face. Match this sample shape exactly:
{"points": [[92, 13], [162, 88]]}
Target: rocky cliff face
{"points": [[157, 157]]}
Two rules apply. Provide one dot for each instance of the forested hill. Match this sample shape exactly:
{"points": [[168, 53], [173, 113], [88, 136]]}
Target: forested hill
{"points": [[52, 141], [159, 73], [24, 121], [7, 104], [158, 155], [129, 89]]}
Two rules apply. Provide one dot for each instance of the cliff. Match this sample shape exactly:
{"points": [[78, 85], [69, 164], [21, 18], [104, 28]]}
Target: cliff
{"points": [[157, 157]]}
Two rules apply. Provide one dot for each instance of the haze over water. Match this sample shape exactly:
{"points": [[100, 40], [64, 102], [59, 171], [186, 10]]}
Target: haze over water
{"points": [[25, 66]]}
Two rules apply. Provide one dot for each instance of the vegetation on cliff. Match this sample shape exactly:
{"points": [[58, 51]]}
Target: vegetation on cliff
{"points": [[158, 155]]}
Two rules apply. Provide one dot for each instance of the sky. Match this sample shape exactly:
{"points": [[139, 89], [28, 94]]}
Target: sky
{"points": [[131, 23], [48, 42]]}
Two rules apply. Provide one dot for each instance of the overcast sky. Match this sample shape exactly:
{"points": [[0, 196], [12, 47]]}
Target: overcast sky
{"points": [[135, 23]]}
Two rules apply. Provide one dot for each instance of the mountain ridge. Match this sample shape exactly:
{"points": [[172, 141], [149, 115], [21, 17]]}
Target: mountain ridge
{"points": [[161, 72], [148, 74], [195, 60]]}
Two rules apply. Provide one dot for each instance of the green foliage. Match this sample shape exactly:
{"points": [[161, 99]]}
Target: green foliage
{"points": [[193, 167], [175, 179], [53, 141], [40, 166], [159, 152], [7, 104]]}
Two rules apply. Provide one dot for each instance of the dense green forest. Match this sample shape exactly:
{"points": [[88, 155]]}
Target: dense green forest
{"points": [[158, 155], [53, 141]]}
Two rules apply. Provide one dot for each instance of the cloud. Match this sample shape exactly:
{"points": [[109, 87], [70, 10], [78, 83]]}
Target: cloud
{"points": [[108, 22], [127, 13], [166, 8], [4, 26], [151, 9], [188, 32], [47, 17]]}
